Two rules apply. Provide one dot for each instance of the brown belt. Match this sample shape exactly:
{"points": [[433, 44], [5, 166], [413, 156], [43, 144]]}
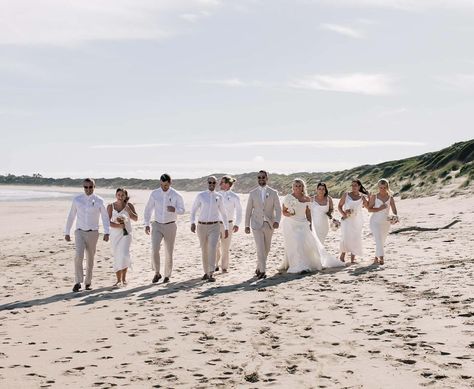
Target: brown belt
{"points": [[207, 223]]}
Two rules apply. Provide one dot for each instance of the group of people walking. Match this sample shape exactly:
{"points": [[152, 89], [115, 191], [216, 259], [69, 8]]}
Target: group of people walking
{"points": [[217, 215]]}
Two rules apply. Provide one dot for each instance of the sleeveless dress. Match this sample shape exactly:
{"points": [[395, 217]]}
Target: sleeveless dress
{"points": [[380, 226], [121, 243], [320, 219], [351, 227], [303, 250]]}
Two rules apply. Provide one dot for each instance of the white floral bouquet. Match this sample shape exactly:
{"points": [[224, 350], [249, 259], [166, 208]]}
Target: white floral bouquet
{"points": [[349, 212], [335, 224], [290, 203], [122, 219], [393, 219]]}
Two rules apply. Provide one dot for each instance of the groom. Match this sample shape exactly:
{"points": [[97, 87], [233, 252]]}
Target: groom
{"points": [[263, 214]]}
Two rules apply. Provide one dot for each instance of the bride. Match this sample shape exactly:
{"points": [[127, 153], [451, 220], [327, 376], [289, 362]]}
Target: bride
{"points": [[303, 250]]}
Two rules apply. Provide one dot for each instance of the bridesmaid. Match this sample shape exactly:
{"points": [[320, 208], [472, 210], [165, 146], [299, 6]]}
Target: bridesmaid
{"points": [[379, 206], [120, 214], [350, 206], [322, 208]]}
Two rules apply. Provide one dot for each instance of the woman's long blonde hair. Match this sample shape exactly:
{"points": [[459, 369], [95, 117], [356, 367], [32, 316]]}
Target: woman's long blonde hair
{"points": [[385, 182], [301, 181]]}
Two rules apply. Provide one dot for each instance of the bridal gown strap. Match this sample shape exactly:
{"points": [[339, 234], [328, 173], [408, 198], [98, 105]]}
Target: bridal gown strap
{"points": [[121, 243], [380, 226], [303, 250], [351, 227], [320, 219]]}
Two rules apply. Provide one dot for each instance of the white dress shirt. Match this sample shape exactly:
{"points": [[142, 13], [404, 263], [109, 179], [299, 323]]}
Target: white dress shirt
{"points": [[87, 209], [158, 204], [211, 207], [232, 206], [263, 192]]}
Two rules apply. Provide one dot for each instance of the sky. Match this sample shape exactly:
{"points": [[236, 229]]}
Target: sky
{"points": [[135, 88]]}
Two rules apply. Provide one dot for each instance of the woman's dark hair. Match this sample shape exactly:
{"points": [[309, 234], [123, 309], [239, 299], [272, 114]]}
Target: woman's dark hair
{"points": [[125, 193], [165, 177], [228, 180], [361, 187], [326, 192]]}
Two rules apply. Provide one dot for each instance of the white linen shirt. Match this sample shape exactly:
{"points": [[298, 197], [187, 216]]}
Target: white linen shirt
{"points": [[158, 203], [211, 206], [233, 207], [87, 209]]}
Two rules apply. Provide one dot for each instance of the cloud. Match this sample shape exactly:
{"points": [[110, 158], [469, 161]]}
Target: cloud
{"points": [[131, 146], [392, 112], [404, 5], [462, 82], [58, 22], [344, 144], [342, 30], [367, 84], [338, 144], [233, 82]]}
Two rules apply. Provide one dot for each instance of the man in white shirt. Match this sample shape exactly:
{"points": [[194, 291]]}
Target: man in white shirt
{"points": [[263, 214], [166, 203], [234, 213], [86, 209], [211, 210]]}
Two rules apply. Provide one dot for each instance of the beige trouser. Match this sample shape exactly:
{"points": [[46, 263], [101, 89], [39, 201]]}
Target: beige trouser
{"points": [[208, 237], [166, 232], [85, 241], [223, 246], [263, 240]]}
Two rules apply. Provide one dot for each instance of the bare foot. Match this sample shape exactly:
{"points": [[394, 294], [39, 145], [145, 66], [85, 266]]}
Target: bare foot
{"points": [[376, 261], [381, 261], [353, 259], [341, 257]]}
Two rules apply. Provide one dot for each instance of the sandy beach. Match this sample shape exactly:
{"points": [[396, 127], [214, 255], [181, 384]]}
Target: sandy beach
{"points": [[409, 323]]}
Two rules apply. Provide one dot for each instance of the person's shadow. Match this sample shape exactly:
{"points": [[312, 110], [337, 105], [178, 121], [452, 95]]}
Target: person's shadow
{"points": [[53, 299], [260, 285]]}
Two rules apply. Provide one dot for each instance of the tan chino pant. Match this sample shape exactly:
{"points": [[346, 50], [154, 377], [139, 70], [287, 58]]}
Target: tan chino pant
{"points": [[167, 233], [86, 241], [223, 246], [263, 241], [208, 237]]}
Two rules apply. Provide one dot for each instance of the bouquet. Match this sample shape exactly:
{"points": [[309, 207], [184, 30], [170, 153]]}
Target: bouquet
{"points": [[393, 219], [349, 212], [122, 220], [335, 224], [291, 203]]}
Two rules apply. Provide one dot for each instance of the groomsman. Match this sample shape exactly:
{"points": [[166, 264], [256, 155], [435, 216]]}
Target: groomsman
{"points": [[263, 214], [86, 209], [166, 203], [211, 210], [234, 213]]}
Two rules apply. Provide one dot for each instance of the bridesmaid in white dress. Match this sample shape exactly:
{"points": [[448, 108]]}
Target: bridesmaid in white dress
{"points": [[350, 206], [121, 212], [379, 206], [321, 211], [303, 250]]}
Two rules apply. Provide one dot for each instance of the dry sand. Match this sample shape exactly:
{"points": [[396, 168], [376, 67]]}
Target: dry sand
{"points": [[409, 323]]}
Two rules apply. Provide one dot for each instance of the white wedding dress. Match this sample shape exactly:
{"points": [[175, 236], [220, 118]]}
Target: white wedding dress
{"points": [[320, 219], [351, 227], [121, 243], [380, 226], [303, 250]]}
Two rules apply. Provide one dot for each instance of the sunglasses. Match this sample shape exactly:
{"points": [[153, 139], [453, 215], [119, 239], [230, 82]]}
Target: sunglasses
{"points": [[212, 182], [261, 177], [88, 187]]}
